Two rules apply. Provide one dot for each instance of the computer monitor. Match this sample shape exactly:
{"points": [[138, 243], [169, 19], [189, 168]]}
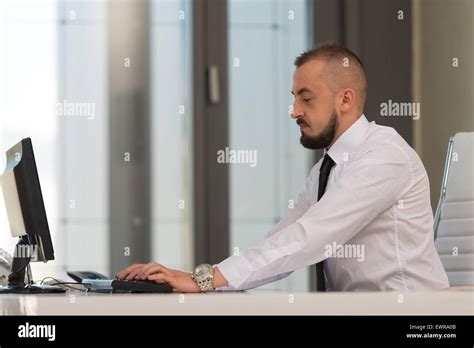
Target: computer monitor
{"points": [[27, 219]]}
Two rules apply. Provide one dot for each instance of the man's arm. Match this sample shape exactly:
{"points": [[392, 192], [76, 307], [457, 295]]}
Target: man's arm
{"points": [[366, 188]]}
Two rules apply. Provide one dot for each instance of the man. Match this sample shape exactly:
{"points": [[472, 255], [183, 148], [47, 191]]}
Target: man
{"points": [[368, 196]]}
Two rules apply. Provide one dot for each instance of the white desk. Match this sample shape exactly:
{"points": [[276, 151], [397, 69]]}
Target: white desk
{"points": [[254, 303]]}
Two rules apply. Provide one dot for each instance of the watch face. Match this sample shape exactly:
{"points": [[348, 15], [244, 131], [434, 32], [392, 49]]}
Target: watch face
{"points": [[202, 270]]}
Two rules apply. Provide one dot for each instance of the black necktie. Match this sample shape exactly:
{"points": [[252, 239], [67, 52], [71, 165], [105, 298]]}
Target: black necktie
{"points": [[324, 171]]}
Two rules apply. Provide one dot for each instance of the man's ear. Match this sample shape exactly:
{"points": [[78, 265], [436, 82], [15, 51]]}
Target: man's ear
{"points": [[348, 99]]}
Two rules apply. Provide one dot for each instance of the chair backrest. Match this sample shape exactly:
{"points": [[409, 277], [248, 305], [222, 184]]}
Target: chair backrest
{"points": [[454, 219]]}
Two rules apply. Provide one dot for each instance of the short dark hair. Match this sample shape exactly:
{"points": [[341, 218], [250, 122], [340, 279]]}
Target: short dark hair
{"points": [[327, 51], [338, 58]]}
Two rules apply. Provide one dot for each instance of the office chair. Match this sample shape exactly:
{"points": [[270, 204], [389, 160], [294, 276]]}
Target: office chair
{"points": [[454, 218]]}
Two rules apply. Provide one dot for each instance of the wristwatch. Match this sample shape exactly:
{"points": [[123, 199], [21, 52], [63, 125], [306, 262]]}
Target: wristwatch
{"points": [[203, 275]]}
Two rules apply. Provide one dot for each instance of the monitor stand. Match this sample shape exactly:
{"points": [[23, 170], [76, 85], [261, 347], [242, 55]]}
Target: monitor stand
{"points": [[16, 278]]}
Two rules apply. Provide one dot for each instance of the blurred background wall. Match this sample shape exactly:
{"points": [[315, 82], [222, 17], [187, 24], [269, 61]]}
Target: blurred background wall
{"points": [[443, 79]]}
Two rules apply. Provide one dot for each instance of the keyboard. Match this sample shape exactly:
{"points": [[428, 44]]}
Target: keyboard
{"points": [[140, 286]]}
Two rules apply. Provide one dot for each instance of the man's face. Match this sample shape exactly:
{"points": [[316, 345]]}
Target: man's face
{"points": [[313, 107]]}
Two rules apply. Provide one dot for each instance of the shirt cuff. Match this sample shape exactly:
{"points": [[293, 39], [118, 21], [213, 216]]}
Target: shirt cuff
{"points": [[236, 270]]}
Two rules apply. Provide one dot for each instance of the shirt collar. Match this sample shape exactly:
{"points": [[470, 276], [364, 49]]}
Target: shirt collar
{"points": [[346, 142]]}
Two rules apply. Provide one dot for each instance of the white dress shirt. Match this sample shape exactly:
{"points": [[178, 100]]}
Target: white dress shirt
{"points": [[373, 226]]}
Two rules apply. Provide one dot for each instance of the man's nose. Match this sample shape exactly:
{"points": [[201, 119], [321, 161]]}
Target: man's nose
{"points": [[296, 111]]}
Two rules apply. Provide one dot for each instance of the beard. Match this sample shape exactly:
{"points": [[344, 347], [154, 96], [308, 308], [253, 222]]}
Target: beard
{"points": [[323, 139]]}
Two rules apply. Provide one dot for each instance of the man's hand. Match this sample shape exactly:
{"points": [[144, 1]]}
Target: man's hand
{"points": [[180, 281]]}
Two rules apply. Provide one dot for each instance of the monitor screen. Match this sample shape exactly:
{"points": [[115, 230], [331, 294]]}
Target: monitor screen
{"points": [[24, 201]]}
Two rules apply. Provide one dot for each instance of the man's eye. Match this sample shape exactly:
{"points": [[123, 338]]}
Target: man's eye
{"points": [[306, 100]]}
